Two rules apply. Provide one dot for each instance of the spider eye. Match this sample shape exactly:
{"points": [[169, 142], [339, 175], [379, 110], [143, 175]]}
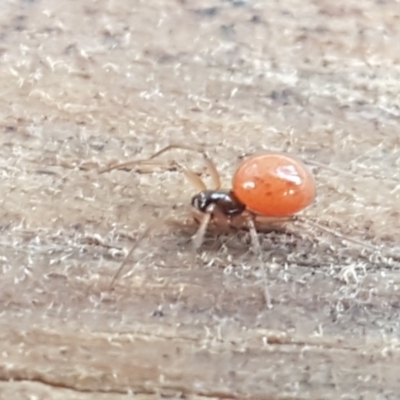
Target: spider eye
{"points": [[200, 202], [196, 202]]}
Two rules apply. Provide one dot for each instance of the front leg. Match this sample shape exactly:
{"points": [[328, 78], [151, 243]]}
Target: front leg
{"points": [[198, 237]]}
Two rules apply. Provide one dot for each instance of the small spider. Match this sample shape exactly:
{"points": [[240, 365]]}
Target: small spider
{"points": [[267, 185]]}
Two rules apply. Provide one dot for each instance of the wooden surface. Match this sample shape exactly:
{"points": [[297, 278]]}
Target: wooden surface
{"points": [[87, 83]]}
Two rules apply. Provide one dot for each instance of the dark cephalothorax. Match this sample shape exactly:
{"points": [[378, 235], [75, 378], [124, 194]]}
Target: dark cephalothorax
{"points": [[226, 202]]}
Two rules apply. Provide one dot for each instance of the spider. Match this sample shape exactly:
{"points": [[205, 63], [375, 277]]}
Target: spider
{"points": [[270, 185]]}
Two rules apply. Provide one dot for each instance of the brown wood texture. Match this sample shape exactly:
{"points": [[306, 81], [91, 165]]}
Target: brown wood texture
{"points": [[88, 83]]}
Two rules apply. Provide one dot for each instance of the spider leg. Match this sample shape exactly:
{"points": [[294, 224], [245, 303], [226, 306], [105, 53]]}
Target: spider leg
{"points": [[255, 243], [258, 251], [212, 169], [144, 165], [194, 179], [124, 262], [370, 247], [121, 267], [198, 237]]}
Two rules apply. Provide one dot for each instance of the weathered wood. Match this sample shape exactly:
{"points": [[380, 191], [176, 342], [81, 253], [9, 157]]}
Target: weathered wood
{"points": [[85, 85]]}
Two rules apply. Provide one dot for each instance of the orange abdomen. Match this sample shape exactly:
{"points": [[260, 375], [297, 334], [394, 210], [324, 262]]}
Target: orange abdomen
{"points": [[274, 185]]}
